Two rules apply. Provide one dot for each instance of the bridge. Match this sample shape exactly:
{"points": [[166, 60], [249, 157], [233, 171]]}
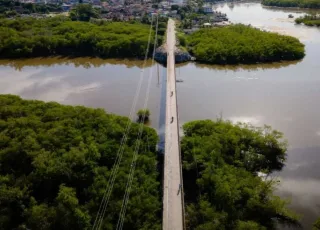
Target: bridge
{"points": [[173, 199], [173, 196]]}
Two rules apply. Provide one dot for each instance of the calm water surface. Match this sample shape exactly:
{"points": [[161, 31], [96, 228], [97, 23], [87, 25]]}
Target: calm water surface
{"points": [[284, 95]]}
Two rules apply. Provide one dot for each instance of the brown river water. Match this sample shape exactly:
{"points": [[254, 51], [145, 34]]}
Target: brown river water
{"points": [[283, 95]]}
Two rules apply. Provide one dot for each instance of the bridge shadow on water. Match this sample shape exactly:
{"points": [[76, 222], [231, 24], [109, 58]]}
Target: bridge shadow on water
{"points": [[162, 116]]}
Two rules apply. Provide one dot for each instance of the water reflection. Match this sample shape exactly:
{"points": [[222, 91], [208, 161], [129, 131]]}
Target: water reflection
{"points": [[249, 67], [85, 62], [35, 84], [300, 182], [111, 85]]}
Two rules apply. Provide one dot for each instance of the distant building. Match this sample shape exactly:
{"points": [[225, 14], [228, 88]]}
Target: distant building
{"points": [[66, 7], [96, 2], [53, 1], [207, 9]]}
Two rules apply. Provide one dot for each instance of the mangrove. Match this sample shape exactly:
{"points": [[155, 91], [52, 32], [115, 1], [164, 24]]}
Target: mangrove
{"points": [[30, 37], [242, 44], [314, 4], [223, 191], [13, 8], [56, 161], [309, 20]]}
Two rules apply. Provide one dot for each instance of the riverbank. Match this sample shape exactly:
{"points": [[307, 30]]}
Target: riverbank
{"points": [[309, 20], [315, 4]]}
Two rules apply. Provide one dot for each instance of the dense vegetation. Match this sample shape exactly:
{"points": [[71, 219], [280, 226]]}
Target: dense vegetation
{"points": [[316, 225], [84, 12], [10, 8], [243, 44], [55, 163], [309, 20], [222, 189], [143, 115], [293, 3], [31, 37]]}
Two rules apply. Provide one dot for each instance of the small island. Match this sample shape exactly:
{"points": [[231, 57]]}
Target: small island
{"points": [[221, 164], [242, 44], [309, 20], [313, 4]]}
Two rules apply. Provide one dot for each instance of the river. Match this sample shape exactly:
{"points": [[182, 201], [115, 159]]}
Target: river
{"points": [[283, 95]]}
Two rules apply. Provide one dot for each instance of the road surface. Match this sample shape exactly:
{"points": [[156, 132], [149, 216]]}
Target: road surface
{"points": [[172, 188]]}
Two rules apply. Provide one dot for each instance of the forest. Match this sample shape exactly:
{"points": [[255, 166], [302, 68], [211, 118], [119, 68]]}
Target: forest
{"points": [[223, 191], [55, 164], [242, 44], [56, 160], [315, 4], [9, 7], [30, 37], [316, 225], [309, 20]]}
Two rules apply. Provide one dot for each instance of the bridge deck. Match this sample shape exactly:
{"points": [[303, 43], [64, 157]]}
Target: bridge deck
{"points": [[172, 196]]}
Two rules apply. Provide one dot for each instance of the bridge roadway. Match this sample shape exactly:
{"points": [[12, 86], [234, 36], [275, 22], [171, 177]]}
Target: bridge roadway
{"points": [[173, 204]]}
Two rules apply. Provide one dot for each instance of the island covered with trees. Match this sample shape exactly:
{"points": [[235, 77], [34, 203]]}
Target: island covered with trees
{"points": [[30, 37], [293, 3], [309, 20], [56, 161], [221, 162], [242, 44]]}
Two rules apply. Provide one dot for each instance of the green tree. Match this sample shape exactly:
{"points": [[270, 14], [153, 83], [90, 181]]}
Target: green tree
{"points": [[143, 115], [316, 225], [222, 189], [293, 3], [309, 20], [83, 12], [29, 37], [69, 213], [8, 8], [243, 44], [65, 157]]}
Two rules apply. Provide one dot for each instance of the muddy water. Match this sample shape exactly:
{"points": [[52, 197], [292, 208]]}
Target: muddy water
{"points": [[284, 95], [110, 84]]}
